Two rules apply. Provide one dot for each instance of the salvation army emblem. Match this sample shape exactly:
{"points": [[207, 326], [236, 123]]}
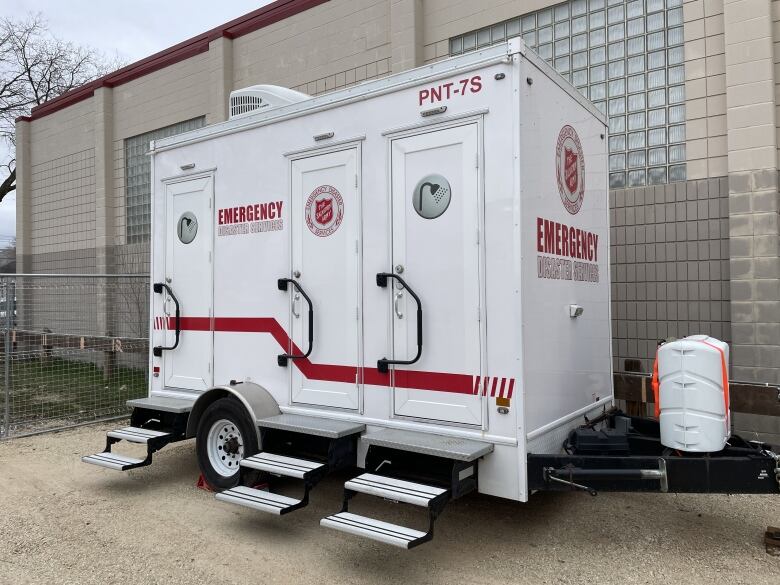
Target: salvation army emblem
{"points": [[324, 211], [570, 169]]}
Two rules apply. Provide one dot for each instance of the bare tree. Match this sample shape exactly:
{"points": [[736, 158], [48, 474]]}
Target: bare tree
{"points": [[36, 66]]}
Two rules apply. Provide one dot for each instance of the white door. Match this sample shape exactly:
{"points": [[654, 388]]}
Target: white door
{"points": [[326, 263], [436, 202], [188, 217]]}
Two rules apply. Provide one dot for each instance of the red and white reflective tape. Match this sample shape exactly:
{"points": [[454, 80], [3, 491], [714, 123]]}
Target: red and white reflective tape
{"points": [[494, 386]]}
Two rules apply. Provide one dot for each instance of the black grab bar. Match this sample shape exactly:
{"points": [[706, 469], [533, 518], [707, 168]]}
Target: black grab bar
{"points": [[158, 288], [382, 365], [281, 359]]}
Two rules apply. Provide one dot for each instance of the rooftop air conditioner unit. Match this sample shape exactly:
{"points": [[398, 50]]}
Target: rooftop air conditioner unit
{"points": [[244, 102]]}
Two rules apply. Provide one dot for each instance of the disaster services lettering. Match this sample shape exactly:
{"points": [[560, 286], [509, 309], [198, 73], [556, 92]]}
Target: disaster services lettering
{"points": [[250, 219], [559, 239]]}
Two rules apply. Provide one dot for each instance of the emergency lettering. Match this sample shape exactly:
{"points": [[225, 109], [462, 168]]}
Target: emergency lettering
{"points": [[249, 213], [254, 218], [560, 239]]}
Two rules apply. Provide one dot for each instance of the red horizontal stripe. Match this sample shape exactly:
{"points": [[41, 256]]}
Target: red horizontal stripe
{"points": [[411, 379]]}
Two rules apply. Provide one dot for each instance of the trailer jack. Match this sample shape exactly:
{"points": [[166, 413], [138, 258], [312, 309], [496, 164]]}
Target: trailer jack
{"points": [[551, 474], [567, 475]]}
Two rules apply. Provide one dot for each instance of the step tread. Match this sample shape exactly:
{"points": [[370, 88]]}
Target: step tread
{"points": [[311, 425], [282, 465], [111, 460], [393, 534], [163, 404], [444, 446], [418, 494], [257, 499], [136, 434]]}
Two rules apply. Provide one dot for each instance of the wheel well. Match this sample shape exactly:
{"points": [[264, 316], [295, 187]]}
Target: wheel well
{"points": [[255, 399]]}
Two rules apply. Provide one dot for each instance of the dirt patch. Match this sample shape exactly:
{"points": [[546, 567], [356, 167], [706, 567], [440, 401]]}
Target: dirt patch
{"points": [[65, 522]]}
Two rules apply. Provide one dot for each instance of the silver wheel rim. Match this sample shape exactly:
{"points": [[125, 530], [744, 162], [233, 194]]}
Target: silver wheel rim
{"points": [[225, 447]]}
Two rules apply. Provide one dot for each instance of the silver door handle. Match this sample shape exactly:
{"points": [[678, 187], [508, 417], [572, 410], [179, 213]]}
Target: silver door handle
{"points": [[397, 297], [296, 298]]}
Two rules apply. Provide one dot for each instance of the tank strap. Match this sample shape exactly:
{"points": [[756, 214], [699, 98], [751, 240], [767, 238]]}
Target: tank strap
{"points": [[725, 374]]}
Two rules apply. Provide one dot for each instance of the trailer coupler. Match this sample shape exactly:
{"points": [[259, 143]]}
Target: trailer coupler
{"points": [[567, 475]]}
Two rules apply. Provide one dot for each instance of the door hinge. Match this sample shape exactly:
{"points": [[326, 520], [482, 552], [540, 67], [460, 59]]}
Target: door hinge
{"points": [[476, 160], [479, 313], [357, 247], [356, 180], [357, 313]]}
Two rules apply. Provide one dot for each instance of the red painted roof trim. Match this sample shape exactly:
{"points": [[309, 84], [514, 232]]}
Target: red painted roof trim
{"points": [[240, 26]]}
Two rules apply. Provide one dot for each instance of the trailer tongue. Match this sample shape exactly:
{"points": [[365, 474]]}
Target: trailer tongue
{"points": [[407, 280]]}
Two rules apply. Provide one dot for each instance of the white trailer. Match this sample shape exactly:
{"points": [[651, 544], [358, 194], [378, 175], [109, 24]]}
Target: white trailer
{"points": [[409, 277]]}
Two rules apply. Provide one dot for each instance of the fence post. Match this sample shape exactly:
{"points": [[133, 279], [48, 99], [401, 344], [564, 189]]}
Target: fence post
{"points": [[7, 357]]}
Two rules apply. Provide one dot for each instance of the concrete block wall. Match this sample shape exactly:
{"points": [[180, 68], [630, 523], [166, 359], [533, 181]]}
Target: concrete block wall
{"points": [[669, 265]]}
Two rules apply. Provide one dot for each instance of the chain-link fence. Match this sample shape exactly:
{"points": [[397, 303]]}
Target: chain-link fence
{"points": [[73, 349]]}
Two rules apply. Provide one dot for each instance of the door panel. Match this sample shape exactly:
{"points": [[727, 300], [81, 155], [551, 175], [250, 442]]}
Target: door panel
{"points": [[326, 255], [188, 271], [436, 202]]}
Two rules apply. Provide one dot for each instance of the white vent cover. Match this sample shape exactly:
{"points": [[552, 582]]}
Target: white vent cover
{"points": [[244, 102]]}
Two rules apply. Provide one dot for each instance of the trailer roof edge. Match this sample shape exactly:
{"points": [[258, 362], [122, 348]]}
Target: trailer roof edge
{"points": [[489, 55]]}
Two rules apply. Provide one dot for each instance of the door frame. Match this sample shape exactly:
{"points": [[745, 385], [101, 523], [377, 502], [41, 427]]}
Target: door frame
{"points": [[356, 144], [417, 130], [166, 182]]}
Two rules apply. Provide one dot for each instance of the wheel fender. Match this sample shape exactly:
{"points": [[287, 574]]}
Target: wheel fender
{"points": [[257, 401]]}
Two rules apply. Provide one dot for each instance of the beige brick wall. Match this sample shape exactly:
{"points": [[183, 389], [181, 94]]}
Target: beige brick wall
{"points": [[776, 61], [705, 89], [62, 185], [331, 45]]}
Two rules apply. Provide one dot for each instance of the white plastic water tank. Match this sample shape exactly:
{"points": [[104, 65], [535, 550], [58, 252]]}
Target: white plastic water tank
{"points": [[693, 394]]}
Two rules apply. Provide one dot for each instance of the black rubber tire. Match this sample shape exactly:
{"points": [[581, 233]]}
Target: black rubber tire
{"points": [[232, 410]]}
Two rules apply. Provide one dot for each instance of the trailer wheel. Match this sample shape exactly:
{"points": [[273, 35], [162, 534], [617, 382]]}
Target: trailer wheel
{"points": [[225, 436]]}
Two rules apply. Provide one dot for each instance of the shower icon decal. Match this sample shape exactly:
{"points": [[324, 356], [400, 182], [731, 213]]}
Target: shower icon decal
{"points": [[432, 196]]}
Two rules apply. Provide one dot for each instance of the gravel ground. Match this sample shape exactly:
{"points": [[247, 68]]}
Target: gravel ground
{"points": [[65, 522]]}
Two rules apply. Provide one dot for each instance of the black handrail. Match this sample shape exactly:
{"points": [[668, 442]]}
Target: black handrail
{"points": [[382, 365], [158, 289], [281, 359]]}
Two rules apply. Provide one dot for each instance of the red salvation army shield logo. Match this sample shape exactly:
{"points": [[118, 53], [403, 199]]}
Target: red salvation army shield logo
{"points": [[324, 211], [570, 169]]}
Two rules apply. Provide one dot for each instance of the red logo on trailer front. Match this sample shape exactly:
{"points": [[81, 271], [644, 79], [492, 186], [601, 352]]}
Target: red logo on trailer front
{"points": [[324, 211], [570, 169]]}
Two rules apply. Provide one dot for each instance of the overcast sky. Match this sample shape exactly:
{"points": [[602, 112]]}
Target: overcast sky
{"points": [[133, 29]]}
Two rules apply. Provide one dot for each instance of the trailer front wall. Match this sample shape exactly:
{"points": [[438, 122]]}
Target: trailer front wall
{"points": [[565, 260]]}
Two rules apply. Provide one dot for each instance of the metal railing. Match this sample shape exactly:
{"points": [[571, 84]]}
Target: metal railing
{"points": [[74, 348]]}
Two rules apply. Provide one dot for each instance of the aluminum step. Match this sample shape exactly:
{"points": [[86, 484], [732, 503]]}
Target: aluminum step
{"points": [[163, 404], [455, 448], [259, 500], [398, 490], [113, 461], [385, 532], [282, 465], [311, 425], [136, 434]]}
